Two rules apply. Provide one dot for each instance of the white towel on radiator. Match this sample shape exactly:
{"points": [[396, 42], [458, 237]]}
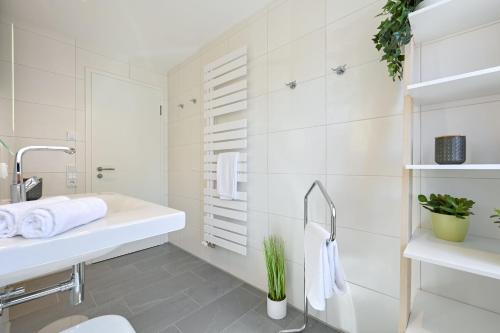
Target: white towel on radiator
{"points": [[11, 214], [49, 221], [323, 271], [227, 175]]}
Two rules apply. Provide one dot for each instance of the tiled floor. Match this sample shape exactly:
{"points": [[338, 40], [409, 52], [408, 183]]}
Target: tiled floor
{"points": [[166, 290]]}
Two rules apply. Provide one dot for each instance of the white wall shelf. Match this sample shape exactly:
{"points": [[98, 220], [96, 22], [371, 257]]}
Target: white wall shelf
{"points": [[447, 17], [480, 83], [453, 167], [436, 314], [477, 255]]}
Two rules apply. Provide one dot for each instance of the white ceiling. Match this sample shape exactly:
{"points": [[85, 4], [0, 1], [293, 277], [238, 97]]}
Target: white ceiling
{"points": [[153, 33]]}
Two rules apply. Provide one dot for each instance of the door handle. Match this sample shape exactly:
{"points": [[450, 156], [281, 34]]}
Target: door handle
{"points": [[105, 169]]}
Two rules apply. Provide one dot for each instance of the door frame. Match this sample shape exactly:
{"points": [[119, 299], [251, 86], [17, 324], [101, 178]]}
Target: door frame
{"points": [[88, 125]]}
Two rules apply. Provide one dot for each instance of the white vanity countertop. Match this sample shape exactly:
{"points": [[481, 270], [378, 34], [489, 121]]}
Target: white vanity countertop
{"points": [[128, 220]]}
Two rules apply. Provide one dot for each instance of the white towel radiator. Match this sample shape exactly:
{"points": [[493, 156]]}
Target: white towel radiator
{"points": [[225, 97]]}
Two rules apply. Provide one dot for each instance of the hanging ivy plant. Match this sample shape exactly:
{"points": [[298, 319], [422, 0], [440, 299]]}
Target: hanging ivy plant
{"points": [[394, 32]]}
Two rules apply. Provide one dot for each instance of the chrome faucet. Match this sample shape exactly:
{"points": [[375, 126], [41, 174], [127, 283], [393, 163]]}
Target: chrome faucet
{"points": [[19, 187]]}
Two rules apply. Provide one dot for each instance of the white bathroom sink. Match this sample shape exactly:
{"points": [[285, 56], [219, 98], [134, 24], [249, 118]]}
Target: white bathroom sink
{"points": [[128, 220]]}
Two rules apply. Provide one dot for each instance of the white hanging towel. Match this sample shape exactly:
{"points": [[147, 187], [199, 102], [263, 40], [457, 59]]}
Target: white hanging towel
{"points": [[227, 175], [11, 214], [51, 220], [323, 271]]}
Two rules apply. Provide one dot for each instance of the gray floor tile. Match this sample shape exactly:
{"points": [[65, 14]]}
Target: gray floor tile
{"points": [[111, 278], [216, 316], [162, 260], [142, 280], [117, 307], [253, 322], [217, 284], [254, 290], [171, 329], [160, 291], [132, 258], [163, 314], [313, 326], [181, 266]]}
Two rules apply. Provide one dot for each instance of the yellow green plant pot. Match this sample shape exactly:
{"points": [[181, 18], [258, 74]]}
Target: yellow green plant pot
{"points": [[449, 227]]}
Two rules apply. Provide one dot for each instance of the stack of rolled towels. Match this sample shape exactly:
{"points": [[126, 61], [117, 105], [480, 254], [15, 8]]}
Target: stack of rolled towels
{"points": [[49, 217]]}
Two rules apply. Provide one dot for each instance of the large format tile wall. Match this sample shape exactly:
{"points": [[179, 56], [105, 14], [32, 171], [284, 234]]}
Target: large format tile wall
{"points": [[343, 130], [49, 103], [50, 100], [479, 120]]}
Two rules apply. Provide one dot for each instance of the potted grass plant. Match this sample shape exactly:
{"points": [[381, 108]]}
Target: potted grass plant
{"points": [[450, 215], [274, 251]]}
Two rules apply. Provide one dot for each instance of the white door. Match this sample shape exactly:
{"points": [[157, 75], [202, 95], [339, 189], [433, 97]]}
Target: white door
{"points": [[126, 138]]}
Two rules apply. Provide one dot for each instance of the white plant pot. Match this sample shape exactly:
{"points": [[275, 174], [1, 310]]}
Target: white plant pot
{"points": [[276, 310]]}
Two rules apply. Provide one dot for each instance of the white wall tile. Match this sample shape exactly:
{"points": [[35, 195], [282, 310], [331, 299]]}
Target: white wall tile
{"points": [[256, 188], [6, 117], [54, 183], [468, 288], [257, 228], [349, 40], [88, 59], [364, 311], [381, 96], [301, 107], [370, 260], [301, 60], [286, 196], [253, 35], [298, 151], [33, 85], [257, 77], [35, 50], [294, 18], [336, 9], [368, 147], [473, 121], [292, 232], [5, 42], [257, 153], [5, 80], [190, 74], [361, 203], [451, 57], [186, 184], [43, 121]]}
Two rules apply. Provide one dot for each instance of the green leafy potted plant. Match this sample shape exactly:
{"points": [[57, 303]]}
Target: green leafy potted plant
{"points": [[496, 216], [394, 32], [450, 215], [274, 251]]}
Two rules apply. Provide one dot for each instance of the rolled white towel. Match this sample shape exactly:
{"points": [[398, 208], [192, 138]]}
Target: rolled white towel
{"points": [[11, 214], [49, 221]]}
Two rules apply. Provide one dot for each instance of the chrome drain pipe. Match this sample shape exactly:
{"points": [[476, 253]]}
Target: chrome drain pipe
{"points": [[75, 285]]}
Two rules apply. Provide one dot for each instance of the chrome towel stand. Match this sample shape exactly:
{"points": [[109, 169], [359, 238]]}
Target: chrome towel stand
{"points": [[333, 233]]}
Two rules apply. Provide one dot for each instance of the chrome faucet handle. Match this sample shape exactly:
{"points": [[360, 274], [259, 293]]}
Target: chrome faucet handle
{"points": [[30, 183]]}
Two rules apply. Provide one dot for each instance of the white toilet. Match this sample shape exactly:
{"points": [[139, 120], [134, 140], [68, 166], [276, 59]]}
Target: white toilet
{"points": [[103, 324]]}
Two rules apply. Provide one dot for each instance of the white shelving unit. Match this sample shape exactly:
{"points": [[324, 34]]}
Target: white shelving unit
{"points": [[453, 167], [436, 314], [430, 313], [480, 83], [477, 255], [447, 17]]}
